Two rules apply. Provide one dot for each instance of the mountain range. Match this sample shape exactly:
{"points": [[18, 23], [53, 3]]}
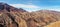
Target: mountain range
{"points": [[17, 17]]}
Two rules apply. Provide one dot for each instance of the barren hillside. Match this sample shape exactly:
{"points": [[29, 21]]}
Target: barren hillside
{"points": [[14, 17]]}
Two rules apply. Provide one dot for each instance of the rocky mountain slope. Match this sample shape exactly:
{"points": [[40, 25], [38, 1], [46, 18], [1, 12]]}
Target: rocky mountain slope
{"points": [[14, 17]]}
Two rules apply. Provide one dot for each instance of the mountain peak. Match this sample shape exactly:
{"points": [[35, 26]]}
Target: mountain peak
{"points": [[2, 3], [5, 6]]}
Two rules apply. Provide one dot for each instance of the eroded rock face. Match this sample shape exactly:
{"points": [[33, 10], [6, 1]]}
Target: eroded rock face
{"points": [[8, 18], [14, 17]]}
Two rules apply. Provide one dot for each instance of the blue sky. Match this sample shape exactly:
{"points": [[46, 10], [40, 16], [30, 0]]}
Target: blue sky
{"points": [[34, 5]]}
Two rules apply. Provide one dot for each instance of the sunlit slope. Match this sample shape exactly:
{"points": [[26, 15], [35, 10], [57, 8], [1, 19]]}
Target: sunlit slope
{"points": [[55, 24]]}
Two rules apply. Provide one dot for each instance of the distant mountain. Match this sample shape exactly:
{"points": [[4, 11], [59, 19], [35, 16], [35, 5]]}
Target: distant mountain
{"points": [[17, 17]]}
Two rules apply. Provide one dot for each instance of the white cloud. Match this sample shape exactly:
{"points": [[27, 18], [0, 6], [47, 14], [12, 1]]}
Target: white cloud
{"points": [[35, 8], [24, 6]]}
